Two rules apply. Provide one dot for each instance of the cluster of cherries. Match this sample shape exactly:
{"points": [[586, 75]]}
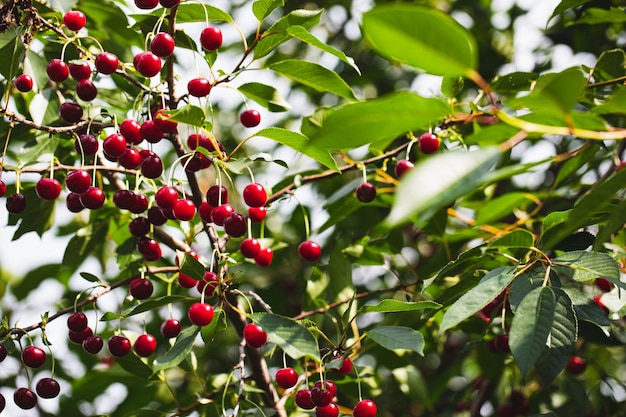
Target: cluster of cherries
{"points": [[33, 357]]}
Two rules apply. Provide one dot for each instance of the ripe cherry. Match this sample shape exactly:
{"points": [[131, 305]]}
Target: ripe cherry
{"points": [[48, 189], [576, 365], [74, 20], [131, 130], [429, 143], [78, 337], [402, 167], [77, 321], [264, 258], [330, 410], [71, 112], [208, 285], [114, 145], [211, 38], [130, 159], [216, 195], [93, 344], [235, 225], [603, 284], [303, 399], [124, 199], [321, 397], [250, 118], [119, 346], [25, 398], [16, 203], [286, 377], [106, 63], [150, 131], [254, 195], [345, 368], [170, 328], [145, 345], [141, 288], [250, 247], [93, 198], [78, 181], [199, 87], [24, 83], [186, 281], [200, 314], [48, 388], [139, 226], [162, 122], [254, 335], [151, 166], [309, 251], [80, 70], [140, 204], [156, 216], [168, 4], [86, 144], [146, 4], [33, 356], [149, 249], [162, 44], [166, 197], [366, 192], [365, 408], [73, 204], [257, 214], [219, 213], [184, 209], [86, 90], [57, 70], [3, 188], [147, 64], [327, 385]]}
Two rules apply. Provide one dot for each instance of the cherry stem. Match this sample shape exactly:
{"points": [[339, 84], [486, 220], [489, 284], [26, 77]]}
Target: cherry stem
{"points": [[251, 174], [307, 230]]}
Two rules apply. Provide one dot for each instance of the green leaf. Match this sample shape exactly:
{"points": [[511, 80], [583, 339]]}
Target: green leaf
{"points": [[610, 65], [574, 164], [531, 326], [89, 277], [478, 297], [302, 34], [44, 146], [519, 238], [218, 323], [197, 12], [513, 82], [395, 306], [457, 173], [188, 114], [192, 267], [563, 336], [267, 96], [614, 104], [421, 37], [277, 33], [293, 338], [38, 216], [263, 8], [135, 366], [614, 223], [300, 143], [146, 305], [357, 124], [179, 351], [315, 76], [502, 206], [398, 337], [84, 243], [565, 5], [44, 107], [595, 16], [585, 266], [12, 53]]}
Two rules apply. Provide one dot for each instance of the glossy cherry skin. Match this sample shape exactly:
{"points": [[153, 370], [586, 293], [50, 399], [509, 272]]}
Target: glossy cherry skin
{"points": [[148, 64], [93, 198], [309, 251], [77, 321], [254, 195], [87, 144], [131, 130], [303, 399], [211, 38], [199, 87], [257, 214], [16, 203], [150, 131], [80, 70], [130, 159], [162, 123], [365, 408], [219, 213], [149, 249], [24, 83], [78, 181], [217, 195], [24, 398], [166, 197], [140, 204], [145, 345], [114, 145], [200, 314], [33, 356], [156, 216], [3, 188], [170, 328], [48, 388], [74, 20], [48, 189], [286, 377], [78, 337], [57, 70], [402, 167], [208, 285], [254, 335], [119, 346], [146, 4], [235, 225], [93, 344], [320, 396], [576, 365], [139, 226], [328, 385], [71, 112], [250, 118], [366, 192], [162, 45], [429, 143], [345, 368], [141, 288], [264, 258], [106, 63], [184, 209], [250, 247], [151, 167], [330, 410], [86, 90]]}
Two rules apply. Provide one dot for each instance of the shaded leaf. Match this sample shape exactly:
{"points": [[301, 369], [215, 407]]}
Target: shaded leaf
{"points": [[519, 238], [277, 33], [179, 351], [394, 306], [502, 206], [586, 266], [398, 337], [565, 5], [89, 277], [267, 96], [315, 76], [596, 15], [293, 338], [188, 114], [302, 34], [218, 323], [134, 366], [38, 216], [192, 267]]}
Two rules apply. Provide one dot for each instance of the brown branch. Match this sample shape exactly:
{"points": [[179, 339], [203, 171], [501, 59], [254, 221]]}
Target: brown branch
{"points": [[83, 124]]}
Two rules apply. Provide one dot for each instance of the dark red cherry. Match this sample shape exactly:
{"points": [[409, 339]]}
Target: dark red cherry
{"points": [[219, 213], [71, 112], [24, 83], [139, 226], [366, 192], [24, 398], [77, 321], [150, 131], [211, 38], [57, 70], [93, 344], [16, 203], [429, 143], [131, 130], [86, 90], [149, 249], [208, 285], [48, 388], [130, 159], [170, 328], [141, 288], [235, 224], [162, 123], [145, 345], [106, 63], [250, 118], [330, 410], [146, 4], [86, 144], [48, 188], [151, 166], [303, 399], [33, 356], [216, 195], [80, 70], [78, 181], [93, 198], [78, 337], [156, 216], [119, 346]]}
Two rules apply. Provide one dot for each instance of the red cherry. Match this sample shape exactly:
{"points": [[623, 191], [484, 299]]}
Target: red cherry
{"points": [[327, 385], [365, 408], [428, 143], [48, 189], [141, 288], [219, 213], [77, 321], [93, 198], [250, 118], [86, 90], [78, 337], [150, 131], [145, 345], [286, 378], [168, 4], [146, 4], [402, 167], [147, 64], [73, 204], [106, 63], [80, 70], [162, 44], [345, 368], [254, 335], [603, 284], [140, 204], [599, 303], [216, 195], [114, 145], [162, 123], [166, 197], [139, 226], [93, 344], [264, 258], [151, 166], [576, 365], [200, 314], [119, 346], [24, 83], [250, 247], [156, 216], [48, 388], [186, 281], [204, 210], [184, 209], [78, 181], [3, 188], [211, 38], [149, 249], [16, 203], [57, 70], [303, 399], [257, 214], [131, 130], [309, 251], [74, 20], [130, 159], [366, 192], [24, 398], [208, 284], [330, 410], [33, 356], [254, 195], [235, 225], [199, 87], [71, 112], [170, 328], [86, 144]]}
